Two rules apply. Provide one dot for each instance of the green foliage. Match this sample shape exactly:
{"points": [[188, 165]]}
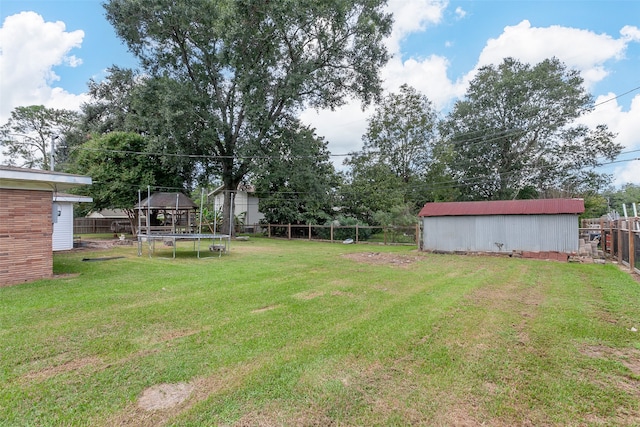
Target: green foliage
{"points": [[595, 206], [628, 194], [370, 188], [296, 186], [397, 155], [345, 233], [237, 67], [26, 137], [516, 128], [400, 134], [118, 169]]}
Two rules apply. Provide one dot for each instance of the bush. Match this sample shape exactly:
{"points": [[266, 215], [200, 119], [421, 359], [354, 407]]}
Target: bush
{"points": [[345, 233]]}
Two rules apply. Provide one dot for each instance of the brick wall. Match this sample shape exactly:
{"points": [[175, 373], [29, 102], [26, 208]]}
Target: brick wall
{"points": [[25, 236]]}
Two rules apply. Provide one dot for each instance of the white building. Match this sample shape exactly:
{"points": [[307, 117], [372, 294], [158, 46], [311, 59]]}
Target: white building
{"points": [[62, 237]]}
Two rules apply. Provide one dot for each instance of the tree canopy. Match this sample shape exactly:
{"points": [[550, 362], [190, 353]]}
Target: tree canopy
{"points": [[397, 156], [515, 131], [28, 134], [241, 65], [297, 186], [119, 169]]}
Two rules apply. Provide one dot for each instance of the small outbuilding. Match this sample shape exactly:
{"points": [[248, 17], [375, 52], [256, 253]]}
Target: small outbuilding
{"points": [[63, 219], [27, 217], [543, 228]]}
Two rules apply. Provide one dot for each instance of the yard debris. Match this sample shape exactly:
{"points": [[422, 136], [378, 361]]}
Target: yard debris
{"points": [[106, 258]]}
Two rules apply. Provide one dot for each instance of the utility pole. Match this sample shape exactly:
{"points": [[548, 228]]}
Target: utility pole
{"points": [[53, 139]]}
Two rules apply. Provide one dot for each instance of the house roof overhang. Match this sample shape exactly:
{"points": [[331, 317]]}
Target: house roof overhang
{"points": [[34, 179], [71, 198]]}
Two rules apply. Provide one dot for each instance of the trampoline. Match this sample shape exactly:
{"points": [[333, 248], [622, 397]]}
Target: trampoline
{"points": [[170, 218], [219, 242]]}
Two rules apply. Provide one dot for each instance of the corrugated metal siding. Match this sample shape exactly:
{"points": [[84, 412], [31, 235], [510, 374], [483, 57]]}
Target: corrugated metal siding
{"points": [[513, 232]]}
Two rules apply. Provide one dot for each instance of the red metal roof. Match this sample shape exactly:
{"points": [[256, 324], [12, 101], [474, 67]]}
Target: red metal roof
{"points": [[505, 207]]}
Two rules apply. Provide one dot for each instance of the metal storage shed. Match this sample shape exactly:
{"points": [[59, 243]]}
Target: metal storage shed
{"points": [[544, 225]]}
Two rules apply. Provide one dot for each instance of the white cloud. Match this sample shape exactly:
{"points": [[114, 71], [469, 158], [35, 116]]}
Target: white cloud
{"points": [[344, 127], [30, 48], [412, 16], [583, 50], [460, 12], [626, 124], [630, 33]]}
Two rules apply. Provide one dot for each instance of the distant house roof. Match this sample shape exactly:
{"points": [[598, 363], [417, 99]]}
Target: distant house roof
{"points": [[167, 201], [108, 213], [504, 207], [242, 187]]}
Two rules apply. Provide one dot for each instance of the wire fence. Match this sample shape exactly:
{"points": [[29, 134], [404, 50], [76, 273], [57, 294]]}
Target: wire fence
{"points": [[386, 235]]}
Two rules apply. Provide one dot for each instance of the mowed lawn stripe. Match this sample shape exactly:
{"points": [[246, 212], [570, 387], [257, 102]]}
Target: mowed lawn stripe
{"points": [[302, 333]]}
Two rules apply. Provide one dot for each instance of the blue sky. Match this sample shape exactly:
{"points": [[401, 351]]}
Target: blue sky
{"points": [[49, 55]]}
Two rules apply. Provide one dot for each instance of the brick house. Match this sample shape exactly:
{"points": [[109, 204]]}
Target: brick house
{"points": [[26, 221]]}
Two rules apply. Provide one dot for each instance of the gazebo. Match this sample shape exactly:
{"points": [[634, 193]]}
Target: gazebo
{"points": [[166, 213], [171, 217]]}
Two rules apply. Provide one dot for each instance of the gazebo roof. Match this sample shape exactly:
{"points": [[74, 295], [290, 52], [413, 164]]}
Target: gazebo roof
{"points": [[167, 201]]}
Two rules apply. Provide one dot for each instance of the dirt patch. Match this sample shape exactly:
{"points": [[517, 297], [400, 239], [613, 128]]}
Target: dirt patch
{"points": [[341, 294], [99, 244], [263, 309], [384, 258], [72, 365], [164, 396], [176, 334], [66, 276], [309, 295], [629, 357]]}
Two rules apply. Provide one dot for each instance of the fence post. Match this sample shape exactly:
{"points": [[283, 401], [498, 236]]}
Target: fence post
{"points": [[632, 251], [289, 231], [619, 222], [384, 228], [356, 233], [331, 231], [269, 228], [309, 231]]}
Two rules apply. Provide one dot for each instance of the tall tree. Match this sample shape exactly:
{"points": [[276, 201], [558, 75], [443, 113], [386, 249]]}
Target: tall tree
{"points": [[297, 185], [154, 107], [516, 130], [112, 105], [397, 156], [370, 187], [401, 133], [28, 135], [118, 170], [243, 64]]}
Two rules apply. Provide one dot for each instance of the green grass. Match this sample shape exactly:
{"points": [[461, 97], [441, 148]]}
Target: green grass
{"points": [[303, 333]]}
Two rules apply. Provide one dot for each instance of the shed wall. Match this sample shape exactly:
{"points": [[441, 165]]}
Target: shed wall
{"points": [[501, 233], [25, 236]]}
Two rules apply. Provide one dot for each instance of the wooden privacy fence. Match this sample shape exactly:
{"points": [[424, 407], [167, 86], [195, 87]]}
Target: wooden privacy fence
{"points": [[100, 226], [408, 235], [620, 239]]}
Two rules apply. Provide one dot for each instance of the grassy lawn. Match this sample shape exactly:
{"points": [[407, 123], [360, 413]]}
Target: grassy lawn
{"points": [[304, 333]]}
